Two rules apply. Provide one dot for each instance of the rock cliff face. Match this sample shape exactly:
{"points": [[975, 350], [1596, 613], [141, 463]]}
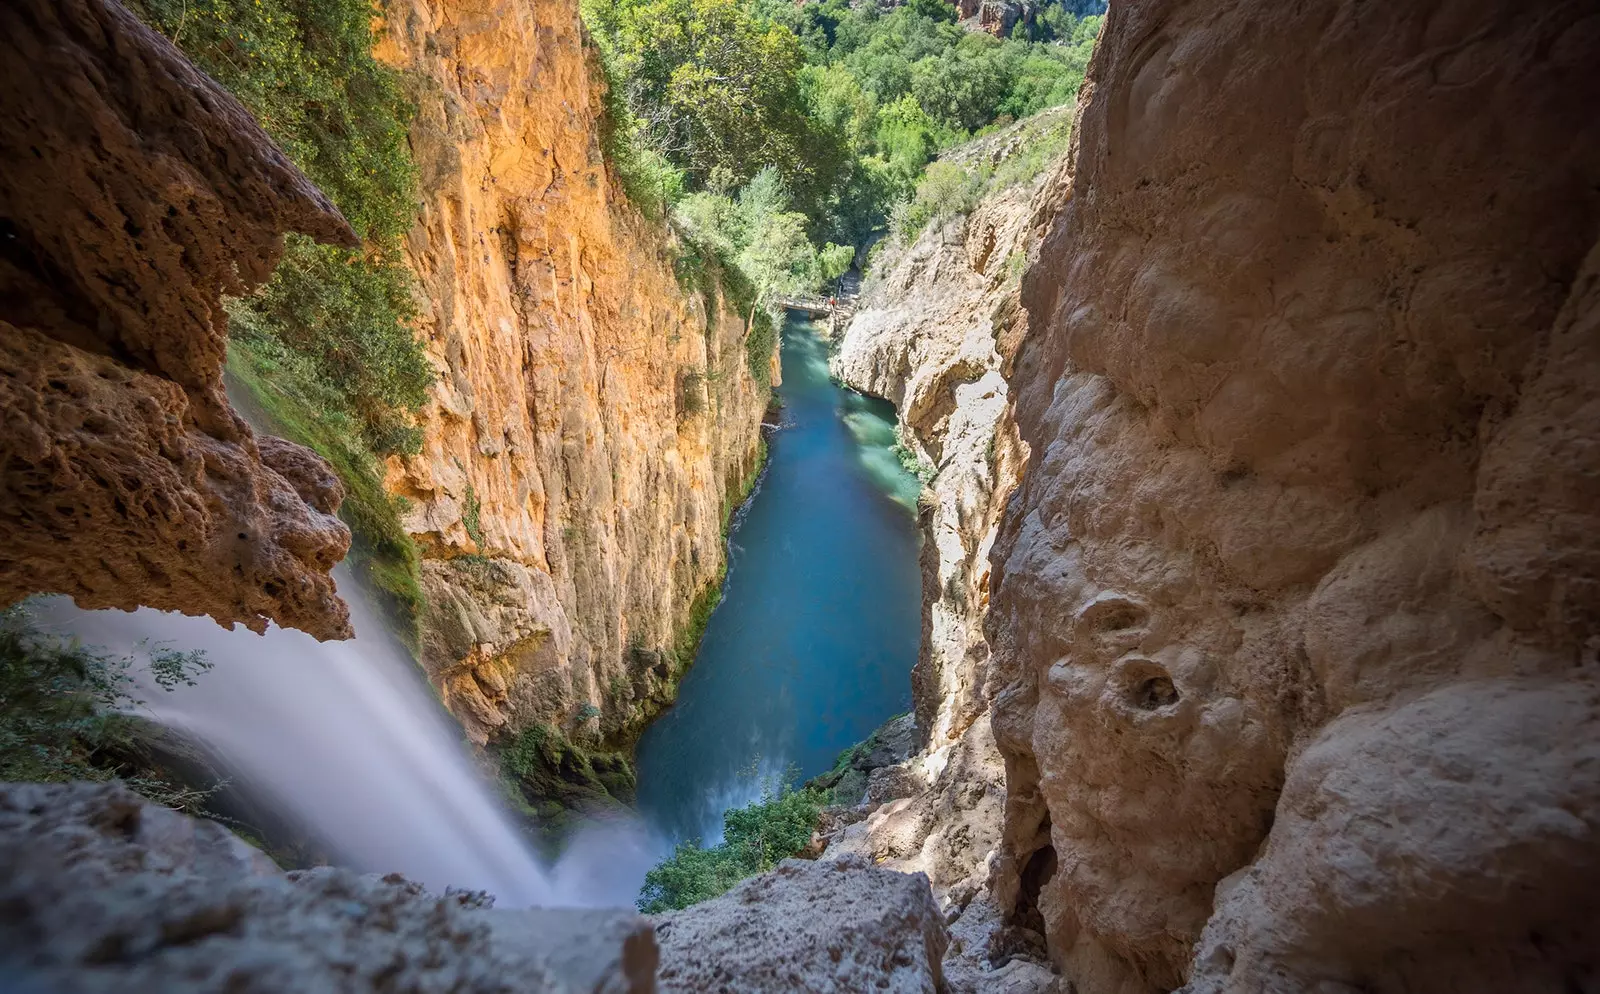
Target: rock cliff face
{"points": [[592, 423], [938, 326], [1295, 612], [135, 193]]}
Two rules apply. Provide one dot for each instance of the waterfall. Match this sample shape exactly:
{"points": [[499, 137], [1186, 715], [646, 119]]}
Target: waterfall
{"points": [[347, 737]]}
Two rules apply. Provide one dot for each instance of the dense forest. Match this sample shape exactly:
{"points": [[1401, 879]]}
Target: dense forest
{"points": [[780, 136]]}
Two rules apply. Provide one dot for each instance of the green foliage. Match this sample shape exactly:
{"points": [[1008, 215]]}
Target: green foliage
{"points": [[305, 69], [472, 516], [847, 103], [62, 704], [543, 766], [945, 191], [326, 348], [710, 89], [346, 318], [913, 463], [755, 839], [948, 189]]}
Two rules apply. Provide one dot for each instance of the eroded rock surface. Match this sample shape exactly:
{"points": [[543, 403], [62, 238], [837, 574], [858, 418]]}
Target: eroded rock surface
{"points": [[591, 423], [135, 193], [103, 891], [1295, 612], [938, 326], [815, 927]]}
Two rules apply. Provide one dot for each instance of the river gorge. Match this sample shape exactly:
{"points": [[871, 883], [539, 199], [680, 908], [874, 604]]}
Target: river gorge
{"points": [[812, 645], [422, 523]]}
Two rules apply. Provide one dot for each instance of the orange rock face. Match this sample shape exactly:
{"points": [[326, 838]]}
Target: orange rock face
{"points": [[135, 192], [1295, 612], [591, 423]]}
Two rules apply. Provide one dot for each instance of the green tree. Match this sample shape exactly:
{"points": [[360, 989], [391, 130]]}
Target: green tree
{"points": [[712, 88]]}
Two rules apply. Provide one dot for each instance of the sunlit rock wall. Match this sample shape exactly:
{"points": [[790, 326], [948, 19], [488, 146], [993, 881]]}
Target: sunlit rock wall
{"points": [[938, 326], [1295, 612], [591, 422]]}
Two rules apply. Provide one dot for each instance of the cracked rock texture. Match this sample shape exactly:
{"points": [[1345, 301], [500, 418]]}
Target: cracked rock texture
{"points": [[103, 891], [136, 192], [591, 424], [1295, 612], [833, 927]]}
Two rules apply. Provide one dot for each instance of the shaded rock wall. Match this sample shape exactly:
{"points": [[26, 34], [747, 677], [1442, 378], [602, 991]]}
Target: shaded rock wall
{"points": [[1295, 612], [592, 423], [135, 192]]}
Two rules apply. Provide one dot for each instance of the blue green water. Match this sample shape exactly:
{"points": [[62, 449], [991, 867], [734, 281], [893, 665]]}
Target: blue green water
{"points": [[812, 645]]}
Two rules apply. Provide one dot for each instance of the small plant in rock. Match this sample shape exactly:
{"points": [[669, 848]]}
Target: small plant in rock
{"points": [[913, 463], [587, 712], [472, 517]]}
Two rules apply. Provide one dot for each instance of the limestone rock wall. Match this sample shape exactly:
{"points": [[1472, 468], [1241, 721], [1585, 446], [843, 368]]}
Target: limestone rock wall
{"points": [[938, 326], [136, 192], [592, 423], [1295, 612]]}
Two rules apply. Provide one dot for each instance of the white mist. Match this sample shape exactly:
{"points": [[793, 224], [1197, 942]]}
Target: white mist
{"points": [[346, 736]]}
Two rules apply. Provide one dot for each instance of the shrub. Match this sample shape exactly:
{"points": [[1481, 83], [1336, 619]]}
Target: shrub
{"points": [[472, 516], [755, 839], [945, 191], [61, 707]]}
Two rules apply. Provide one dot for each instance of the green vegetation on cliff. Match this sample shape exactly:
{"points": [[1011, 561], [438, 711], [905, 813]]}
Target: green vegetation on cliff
{"points": [[845, 102], [326, 349], [63, 711], [755, 838]]}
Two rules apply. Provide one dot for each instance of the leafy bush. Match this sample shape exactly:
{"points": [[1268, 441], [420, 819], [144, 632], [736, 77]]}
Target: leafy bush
{"points": [[472, 516], [62, 704], [755, 839], [544, 766]]}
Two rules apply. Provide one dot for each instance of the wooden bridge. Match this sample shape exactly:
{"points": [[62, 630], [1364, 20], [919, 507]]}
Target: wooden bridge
{"points": [[834, 308]]}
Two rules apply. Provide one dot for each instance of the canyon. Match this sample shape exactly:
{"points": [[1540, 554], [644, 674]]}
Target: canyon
{"points": [[591, 425], [1260, 611]]}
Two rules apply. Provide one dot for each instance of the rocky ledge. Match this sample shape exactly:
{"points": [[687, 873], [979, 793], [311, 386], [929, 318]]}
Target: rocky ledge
{"points": [[136, 192], [101, 891]]}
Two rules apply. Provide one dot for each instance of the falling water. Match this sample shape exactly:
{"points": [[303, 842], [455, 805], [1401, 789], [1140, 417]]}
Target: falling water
{"points": [[346, 736]]}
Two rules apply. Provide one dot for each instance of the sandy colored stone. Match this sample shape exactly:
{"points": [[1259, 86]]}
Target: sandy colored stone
{"points": [[939, 323], [101, 891], [937, 326], [1294, 617], [591, 421], [136, 192], [833, 927]]}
